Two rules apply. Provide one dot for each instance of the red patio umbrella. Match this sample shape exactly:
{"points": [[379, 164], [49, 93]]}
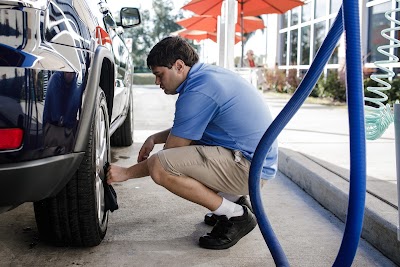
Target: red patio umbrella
{"points": [[245, 8], [209, 23], [249, 7], [199, 35]]}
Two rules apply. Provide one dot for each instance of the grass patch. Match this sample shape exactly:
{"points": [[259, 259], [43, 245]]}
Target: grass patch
{"points": [[309, 100], [143, 78]]}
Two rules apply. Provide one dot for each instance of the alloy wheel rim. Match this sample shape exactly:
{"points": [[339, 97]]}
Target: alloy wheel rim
{"points": [[101, 158]]}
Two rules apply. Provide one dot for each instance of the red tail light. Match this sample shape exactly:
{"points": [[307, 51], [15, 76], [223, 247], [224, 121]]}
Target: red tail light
{"points": [[11, 138]]}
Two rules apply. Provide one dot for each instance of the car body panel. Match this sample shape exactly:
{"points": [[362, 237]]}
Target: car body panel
{"points": [[52, 56]]}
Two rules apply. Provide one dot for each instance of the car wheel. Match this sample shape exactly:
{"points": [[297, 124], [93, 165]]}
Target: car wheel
{"points": [[76, 216], [123, 136]]}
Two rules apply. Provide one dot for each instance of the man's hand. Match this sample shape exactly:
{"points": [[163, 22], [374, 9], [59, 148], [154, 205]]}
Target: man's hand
{"points": [[146, 148], [117, 174]]}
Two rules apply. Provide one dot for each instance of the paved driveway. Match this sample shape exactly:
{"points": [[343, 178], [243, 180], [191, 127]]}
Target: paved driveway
{"points": [[156, 228]]}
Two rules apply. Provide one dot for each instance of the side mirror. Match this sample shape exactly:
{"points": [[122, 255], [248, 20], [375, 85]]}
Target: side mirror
{"points": [[130, 16]]}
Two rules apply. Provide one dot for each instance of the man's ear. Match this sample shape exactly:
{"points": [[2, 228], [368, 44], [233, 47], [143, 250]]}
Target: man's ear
{"points": [[179, 65]]}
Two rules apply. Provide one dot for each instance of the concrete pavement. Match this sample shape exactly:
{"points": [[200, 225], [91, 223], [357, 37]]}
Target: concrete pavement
{"points": [[314, 153], [153, 227], [319, 133]]}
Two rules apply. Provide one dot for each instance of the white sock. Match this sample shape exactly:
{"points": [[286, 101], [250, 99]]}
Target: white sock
{"points": [[229, 209], [229, 197]]}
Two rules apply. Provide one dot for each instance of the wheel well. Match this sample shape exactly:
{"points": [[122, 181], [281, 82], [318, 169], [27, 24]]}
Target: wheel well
{"points": [[106, 83]]}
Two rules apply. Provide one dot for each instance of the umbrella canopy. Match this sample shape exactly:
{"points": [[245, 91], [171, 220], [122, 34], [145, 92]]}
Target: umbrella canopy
{"points": [[249, 7], [199, 35], [209, 23], [245, 8], [196, 35]]}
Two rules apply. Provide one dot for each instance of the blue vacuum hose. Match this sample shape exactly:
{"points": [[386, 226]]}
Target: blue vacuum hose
{"points": [[357, 124], [355, 103]]}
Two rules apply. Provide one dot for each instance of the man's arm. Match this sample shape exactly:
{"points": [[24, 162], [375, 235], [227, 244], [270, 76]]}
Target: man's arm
{"points": [[175, 141], [160, 137], [120, 174], [148, 146]]}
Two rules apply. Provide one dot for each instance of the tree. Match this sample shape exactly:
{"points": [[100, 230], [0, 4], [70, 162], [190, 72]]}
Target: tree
{"points": [[164, 21], [155, 25], [141, 41]]}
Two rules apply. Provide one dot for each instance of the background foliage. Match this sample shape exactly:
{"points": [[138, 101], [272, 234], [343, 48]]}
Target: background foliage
{"points": [[331, 86], [152, 29], [155, 26]]}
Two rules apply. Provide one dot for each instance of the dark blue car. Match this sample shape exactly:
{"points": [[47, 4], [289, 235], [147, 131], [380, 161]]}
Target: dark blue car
{"points": [[65, 97]]}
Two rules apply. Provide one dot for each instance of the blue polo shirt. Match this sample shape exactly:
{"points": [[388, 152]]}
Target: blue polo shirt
{"points": [[217, 107]]}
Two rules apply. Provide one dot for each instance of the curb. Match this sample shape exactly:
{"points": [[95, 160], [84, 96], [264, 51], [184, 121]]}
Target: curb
{"points": [[331, 191]]}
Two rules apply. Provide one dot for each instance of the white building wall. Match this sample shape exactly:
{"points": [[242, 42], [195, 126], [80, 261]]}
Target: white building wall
{"points": [[272, 35], [274, 48]]}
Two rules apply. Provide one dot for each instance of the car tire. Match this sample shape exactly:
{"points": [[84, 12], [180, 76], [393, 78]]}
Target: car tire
{"points": [[123, 136], [76, 216]]}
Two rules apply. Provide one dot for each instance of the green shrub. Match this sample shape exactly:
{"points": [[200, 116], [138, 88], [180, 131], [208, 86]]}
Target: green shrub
{"points": [[292, 81], [142, 69], [143, 78], [393, 93], [333, 86], [317, 91], [276, 79], [370, 83]]}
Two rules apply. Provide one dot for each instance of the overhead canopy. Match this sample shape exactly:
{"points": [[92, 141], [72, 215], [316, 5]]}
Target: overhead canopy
{"points": [[244, 8], [209, 23], [248, 7], [199, 35]]}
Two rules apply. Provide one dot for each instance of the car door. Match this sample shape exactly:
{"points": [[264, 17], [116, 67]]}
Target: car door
{"points": [[121, 56]]}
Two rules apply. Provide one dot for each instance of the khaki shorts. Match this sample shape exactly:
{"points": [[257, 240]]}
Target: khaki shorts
{"points": [[218, 168]]}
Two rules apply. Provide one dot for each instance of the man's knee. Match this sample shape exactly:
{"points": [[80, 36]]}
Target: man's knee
{"points": [[156, 170]]}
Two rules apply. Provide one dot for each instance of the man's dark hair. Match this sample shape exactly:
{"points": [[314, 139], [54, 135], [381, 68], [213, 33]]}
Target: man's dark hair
{"points": [[166, 52]]}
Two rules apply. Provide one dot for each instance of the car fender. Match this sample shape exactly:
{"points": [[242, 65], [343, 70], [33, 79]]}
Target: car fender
{"points": [[90, 95]]}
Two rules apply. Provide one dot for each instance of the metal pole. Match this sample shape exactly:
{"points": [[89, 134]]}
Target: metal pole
{"points": [[241, 32], [397, 143], [230, 21], [221, 38]]}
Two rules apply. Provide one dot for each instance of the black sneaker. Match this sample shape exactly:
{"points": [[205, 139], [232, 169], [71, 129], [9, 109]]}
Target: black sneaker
{"points": [[211, 219], [227, 233]]}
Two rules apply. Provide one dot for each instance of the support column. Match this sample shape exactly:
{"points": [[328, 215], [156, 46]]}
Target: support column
{"points": [[231, 10], [221, 39], [397, 144]]}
